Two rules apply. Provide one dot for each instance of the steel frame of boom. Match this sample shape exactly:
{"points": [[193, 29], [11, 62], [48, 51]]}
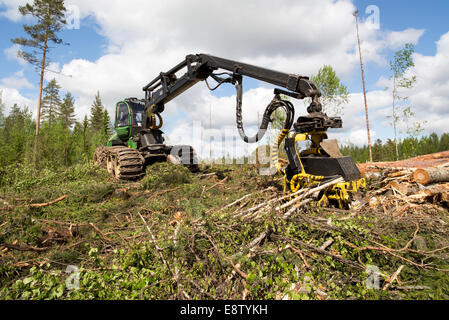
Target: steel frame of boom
{"points": [[167, 85]]}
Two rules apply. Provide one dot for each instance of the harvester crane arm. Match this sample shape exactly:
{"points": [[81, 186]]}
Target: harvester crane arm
{"points": [[199, 67], [167, 85]]}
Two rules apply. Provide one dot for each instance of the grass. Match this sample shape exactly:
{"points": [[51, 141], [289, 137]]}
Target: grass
{"points": [[205, 247]]}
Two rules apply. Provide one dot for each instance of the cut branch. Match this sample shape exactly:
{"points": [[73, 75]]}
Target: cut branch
{"points": [[100, 232], [40, 205]]}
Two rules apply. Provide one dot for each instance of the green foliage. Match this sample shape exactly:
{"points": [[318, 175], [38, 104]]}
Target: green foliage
{"points": [[334, 94], [85, 135], [58, 146], [401, 62], [16, 136], [51, 102], [164, 174], [96, 119], [400, 66], [106, 125], [99, 129], [407, 148], [66, 111], [22, 177]]}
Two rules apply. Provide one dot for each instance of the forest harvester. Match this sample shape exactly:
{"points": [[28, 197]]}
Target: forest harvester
{"points": [[138, 140]]}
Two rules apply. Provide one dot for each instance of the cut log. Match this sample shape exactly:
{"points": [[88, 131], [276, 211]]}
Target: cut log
{"points": [[438, 155], [431, 175], [444, 165], [437, 188], [419, 197], [438, 193], [404, 187], [399, 173], [434, 193]]}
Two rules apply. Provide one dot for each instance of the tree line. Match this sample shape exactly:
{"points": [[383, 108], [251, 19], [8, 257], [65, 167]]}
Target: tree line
{"points": [[63, 140], [407, 148]]}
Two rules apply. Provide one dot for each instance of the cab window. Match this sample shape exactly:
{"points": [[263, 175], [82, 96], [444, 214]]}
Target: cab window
{"points": [[138, 111], [122, 115], [137, 119]]}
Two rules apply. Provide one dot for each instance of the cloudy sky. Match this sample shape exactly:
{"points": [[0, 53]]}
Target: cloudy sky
{"points": [[119, 46]]}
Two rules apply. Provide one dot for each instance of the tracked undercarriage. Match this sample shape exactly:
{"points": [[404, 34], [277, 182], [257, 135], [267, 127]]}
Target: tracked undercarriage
{"points": [[129, 164], [120, 161]]}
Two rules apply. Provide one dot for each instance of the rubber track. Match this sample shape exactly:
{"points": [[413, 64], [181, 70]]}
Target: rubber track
{"points": [[129, 162]]}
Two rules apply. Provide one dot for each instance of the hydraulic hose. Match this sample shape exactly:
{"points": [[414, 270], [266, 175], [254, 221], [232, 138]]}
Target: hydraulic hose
{"points": [[276, 103]]}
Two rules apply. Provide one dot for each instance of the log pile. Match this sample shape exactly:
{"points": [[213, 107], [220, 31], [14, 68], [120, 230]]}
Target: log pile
{"points": [[412, 185]]}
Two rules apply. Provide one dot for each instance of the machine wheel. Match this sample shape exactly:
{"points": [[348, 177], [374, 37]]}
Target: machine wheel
{"points": [[120, 161], [128, 164], [100, 156]]}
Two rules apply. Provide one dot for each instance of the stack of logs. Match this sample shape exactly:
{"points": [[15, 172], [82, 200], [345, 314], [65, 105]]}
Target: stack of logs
{"points": [[416, 185]]}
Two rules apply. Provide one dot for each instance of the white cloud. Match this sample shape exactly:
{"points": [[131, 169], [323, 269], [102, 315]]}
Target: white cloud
{"points": [[397, 39], [11, 54], [10, 91], [11, 96], [11, 11], [357, 137], [430, 96], [17, 81]]}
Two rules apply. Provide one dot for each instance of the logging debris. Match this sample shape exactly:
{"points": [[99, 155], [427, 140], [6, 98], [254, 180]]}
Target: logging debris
{"points": [[237, 238], [412, 186]]}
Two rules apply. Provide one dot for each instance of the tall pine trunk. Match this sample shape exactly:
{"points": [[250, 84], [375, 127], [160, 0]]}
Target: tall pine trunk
{"points": [[394, 120], [38, 116]]}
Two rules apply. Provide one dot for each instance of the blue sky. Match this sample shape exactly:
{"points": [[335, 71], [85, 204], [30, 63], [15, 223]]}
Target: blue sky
{"points": [[118, 54], [397, 15]]}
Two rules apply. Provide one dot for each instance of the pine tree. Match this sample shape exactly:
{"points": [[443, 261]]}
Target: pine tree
{"points": [[51, 102], [97, 114], [444, 142], [15, 115], [49, 16], [107, 128], [85, 137], [66, 111], [19, 133]]}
